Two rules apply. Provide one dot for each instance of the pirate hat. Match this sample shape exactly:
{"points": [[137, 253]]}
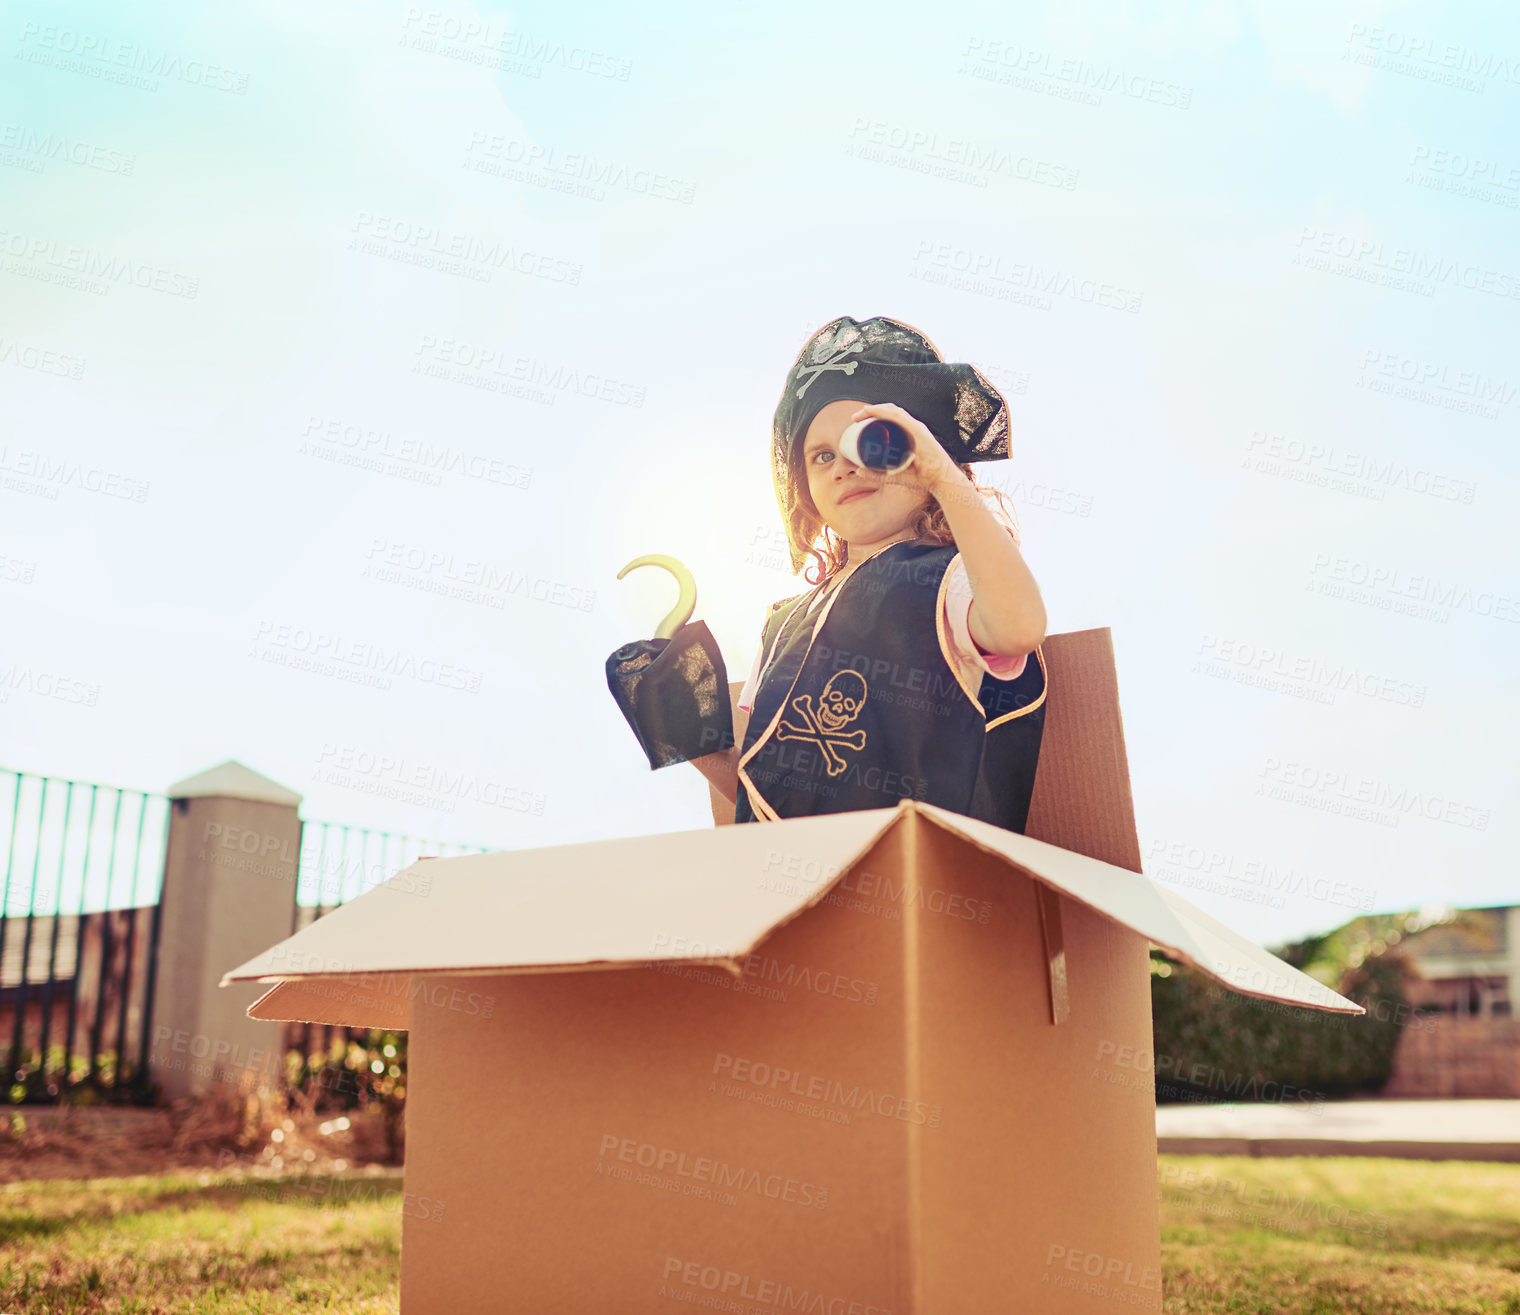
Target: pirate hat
{"points": [[881, 360]]}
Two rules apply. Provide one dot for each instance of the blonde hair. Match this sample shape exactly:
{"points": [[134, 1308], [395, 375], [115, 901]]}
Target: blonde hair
{"points": [[806, 526]]}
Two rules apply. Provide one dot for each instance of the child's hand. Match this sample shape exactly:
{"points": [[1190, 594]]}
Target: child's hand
{"points": [[932, 469]]}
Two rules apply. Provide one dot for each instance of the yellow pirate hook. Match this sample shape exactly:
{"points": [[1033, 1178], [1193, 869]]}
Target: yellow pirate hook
{"points": [[686, 603]]}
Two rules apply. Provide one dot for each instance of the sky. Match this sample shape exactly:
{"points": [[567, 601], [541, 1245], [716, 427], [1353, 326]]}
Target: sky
{"points": [[348, 352]]}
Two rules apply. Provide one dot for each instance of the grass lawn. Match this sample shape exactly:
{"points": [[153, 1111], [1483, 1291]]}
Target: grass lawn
{"points": [[1342, 1235], [1302, 1236]]}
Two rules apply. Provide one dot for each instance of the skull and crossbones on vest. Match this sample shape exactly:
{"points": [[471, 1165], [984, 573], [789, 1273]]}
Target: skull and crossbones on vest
{"points": [[839, 703]]}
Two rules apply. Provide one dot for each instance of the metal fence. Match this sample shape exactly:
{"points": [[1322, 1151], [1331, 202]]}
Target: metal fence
{"points": [[80, 923], [79, 940], [341, 862]]}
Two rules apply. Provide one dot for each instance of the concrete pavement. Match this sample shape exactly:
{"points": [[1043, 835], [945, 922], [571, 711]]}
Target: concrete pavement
{"points": [[1406, 1129]]}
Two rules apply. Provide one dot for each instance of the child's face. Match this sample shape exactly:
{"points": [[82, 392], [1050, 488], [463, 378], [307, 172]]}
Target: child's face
{"points": [[860, 505]]}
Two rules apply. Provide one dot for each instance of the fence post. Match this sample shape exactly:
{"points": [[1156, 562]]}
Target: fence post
{"points": [[229, 892]]}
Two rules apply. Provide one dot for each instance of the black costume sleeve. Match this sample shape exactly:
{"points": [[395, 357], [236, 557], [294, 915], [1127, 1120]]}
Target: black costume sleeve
{"points": [[674, 693]]}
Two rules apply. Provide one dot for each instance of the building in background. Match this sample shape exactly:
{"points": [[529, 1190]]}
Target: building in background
{"points": [[1470, 968], [1466, 1040]]}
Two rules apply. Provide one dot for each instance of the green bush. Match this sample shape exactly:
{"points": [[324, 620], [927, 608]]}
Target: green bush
{"points": [[37, 1083], [1212, 1043], [355, 1073]]}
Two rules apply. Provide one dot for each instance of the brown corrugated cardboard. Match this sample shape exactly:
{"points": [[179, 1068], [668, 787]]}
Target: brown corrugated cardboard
{"points": [[882, 1061], [711, 896]]}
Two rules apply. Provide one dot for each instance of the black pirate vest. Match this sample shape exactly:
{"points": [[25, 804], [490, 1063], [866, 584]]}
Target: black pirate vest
{"points": [[858, 707]]}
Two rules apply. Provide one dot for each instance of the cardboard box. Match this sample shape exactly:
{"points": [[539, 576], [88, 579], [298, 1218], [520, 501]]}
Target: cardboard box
{"points": [[886, 1061]]}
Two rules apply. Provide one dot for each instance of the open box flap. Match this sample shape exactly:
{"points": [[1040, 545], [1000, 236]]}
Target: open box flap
{"points": [[1160, 915], [383, 1003], [697, 896], [707, 896]]}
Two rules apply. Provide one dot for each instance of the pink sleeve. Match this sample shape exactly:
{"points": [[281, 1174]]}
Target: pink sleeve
{"points": [[958, 599]]}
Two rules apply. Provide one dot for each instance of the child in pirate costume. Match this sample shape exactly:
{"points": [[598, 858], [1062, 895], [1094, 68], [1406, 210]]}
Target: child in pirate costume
{"points": [[912, 668]]}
